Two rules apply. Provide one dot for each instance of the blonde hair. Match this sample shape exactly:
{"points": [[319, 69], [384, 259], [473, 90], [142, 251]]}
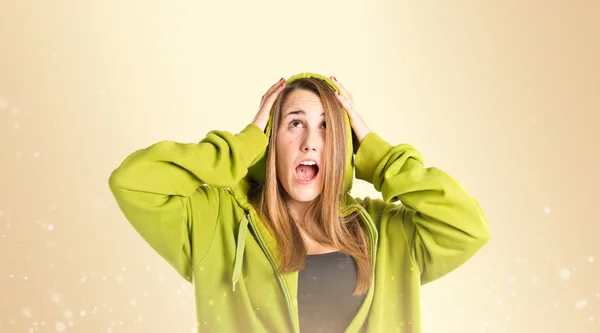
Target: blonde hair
{"points": [[323, 220]]}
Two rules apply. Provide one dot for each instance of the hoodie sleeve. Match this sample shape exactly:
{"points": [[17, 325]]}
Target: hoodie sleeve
{"points": [[444, 225], [160, 188]]}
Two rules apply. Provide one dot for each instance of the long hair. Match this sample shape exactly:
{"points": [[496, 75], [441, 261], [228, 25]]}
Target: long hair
{"points": [[323, 221]]}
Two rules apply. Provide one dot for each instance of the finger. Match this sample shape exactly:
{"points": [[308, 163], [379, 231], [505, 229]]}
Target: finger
{"points": [[269, 100], [275, 93], [335, 82], [340, 85], [274, 87], [345, 102], [343, 89]]}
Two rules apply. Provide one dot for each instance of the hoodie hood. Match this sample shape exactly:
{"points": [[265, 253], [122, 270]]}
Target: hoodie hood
{"points": [[257, 172]]}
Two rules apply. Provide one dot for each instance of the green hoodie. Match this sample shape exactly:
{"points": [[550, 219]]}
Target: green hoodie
{"points": [[189, 202]]}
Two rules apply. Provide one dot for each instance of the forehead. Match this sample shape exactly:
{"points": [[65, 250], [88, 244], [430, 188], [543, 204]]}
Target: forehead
{"points": [[305, 100]]}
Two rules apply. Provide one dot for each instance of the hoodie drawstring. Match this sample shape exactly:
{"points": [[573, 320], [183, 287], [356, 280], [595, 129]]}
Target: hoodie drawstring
{"points": [[239, 250]]}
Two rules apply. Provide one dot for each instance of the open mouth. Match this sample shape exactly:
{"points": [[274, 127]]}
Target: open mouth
{"points": [[307, 171]]}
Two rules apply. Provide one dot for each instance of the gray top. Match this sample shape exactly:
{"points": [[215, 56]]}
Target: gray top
{"points": [[325, 287]]}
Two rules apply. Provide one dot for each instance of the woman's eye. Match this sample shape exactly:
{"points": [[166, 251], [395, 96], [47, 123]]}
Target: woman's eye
{"points": [[295, 123], [324, 125]]}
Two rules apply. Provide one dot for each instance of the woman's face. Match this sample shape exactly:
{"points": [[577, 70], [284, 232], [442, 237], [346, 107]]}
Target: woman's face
{"points": [[299, 147]]}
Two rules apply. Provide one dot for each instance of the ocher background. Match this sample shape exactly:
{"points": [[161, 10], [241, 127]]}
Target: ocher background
{"points": [[504, 96]]}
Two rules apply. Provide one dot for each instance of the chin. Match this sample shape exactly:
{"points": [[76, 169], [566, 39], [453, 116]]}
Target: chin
{"points": [[305, 195]]}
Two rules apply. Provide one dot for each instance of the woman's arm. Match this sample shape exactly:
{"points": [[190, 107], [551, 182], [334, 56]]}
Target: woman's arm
{"points": [[157, 188], [444, 225], [160, 188]]}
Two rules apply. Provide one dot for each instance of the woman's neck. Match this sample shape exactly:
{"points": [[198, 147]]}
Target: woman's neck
{"points": [[298, 210]]}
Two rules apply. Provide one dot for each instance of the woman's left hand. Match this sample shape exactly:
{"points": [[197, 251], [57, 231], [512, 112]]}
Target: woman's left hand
{"points": [[358, 124]]}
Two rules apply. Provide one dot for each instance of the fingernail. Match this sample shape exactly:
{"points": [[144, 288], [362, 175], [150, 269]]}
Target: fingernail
{"points": [[334, 78], [282, 79]]}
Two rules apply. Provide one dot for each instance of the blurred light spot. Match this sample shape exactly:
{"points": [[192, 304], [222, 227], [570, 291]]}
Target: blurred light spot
{"points": [[580, 304], [60, 326], [26, 313], [68, 314], [564, 274], [56, 298]]}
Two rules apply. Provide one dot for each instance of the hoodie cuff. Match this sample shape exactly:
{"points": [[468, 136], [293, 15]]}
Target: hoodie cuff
{"points": [[371, 151], [252, 142]]}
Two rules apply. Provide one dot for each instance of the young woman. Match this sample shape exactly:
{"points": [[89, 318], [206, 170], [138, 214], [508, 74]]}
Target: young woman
{"points": [[263, 224]]}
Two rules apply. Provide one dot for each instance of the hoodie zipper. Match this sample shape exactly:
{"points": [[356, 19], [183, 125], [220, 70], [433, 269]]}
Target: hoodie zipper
{"points": [[279, 278]]}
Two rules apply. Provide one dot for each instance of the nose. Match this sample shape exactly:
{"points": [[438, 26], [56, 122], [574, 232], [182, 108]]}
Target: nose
{"points": [[313, 141]]}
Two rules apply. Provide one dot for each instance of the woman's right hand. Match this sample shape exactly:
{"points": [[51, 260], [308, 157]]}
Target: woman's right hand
{"points": [[268, 99]]}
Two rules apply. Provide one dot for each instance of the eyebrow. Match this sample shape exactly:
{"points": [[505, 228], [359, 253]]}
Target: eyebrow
{"points": [[302, 112]]}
